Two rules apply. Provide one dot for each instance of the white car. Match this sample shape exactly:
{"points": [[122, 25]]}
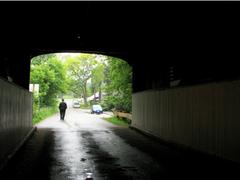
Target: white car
{"points": [[76, 104]]}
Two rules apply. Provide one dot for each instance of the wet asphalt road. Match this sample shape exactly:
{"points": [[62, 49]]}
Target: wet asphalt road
{"points": [[86, 147]]}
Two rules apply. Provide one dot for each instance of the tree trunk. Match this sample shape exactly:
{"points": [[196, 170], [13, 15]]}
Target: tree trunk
{"points": [[94, 95], [85, 94], [100, 93]]}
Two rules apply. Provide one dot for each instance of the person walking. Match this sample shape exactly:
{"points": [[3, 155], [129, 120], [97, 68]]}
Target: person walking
{"points": [[62, 109]]}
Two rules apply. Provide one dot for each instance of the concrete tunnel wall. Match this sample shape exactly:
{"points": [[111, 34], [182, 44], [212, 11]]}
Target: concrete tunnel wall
{"points": [[203, 117], [15, 117]]}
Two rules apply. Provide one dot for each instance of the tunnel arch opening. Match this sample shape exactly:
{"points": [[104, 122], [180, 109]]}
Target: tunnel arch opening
{"points": [[82, 79]]}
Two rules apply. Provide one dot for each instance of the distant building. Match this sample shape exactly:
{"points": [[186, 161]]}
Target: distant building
{"points": [[34, 88], [96, 97], [92, 97]]}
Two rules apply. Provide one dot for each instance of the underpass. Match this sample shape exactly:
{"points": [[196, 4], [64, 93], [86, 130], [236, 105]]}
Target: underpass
{"points": [[185, 89]]}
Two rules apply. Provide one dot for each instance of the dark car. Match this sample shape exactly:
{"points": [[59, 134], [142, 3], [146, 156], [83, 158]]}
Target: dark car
{"points": [[97, 109]]}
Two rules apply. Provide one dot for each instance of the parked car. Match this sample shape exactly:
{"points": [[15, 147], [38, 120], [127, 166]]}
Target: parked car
{"points": [[96, 109], [76, 104]]}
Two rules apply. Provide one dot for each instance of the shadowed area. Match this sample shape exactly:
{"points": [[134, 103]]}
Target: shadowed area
{"points": [[75, 149], [185, 89]]}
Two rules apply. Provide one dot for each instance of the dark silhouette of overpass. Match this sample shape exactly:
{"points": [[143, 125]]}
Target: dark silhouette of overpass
{"points": [[183, 54]]}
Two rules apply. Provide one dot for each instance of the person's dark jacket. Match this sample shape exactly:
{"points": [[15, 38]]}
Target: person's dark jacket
{"points": [[62, 106]]}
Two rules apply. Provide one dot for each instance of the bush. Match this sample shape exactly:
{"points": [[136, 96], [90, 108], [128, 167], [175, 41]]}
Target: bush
{"points": [[120, 104], [43, 113], [83, 106], [118, 121], [36, 105], [107, 105]]}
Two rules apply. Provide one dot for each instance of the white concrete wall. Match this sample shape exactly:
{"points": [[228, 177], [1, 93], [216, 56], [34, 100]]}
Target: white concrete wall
{"points": [[15, 117], [204, 117]]}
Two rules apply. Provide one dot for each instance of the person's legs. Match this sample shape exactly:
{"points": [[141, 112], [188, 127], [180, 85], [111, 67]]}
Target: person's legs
{"points": [[63, 114]]}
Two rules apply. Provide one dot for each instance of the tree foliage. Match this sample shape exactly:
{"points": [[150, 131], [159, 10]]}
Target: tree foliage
{"points": [[49, 73], [118, 85], [42, 59], [79, 72], [97, 79]]}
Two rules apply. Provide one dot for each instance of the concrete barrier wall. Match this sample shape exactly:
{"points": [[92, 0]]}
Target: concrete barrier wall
{"points": [[15, 117], [204, 117]]}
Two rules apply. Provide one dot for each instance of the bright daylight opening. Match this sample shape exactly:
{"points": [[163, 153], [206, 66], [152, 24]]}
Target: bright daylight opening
{"points": [[88, 83]]}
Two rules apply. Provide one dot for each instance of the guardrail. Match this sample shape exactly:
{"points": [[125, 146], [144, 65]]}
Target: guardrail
{"points": [[128, 116]]}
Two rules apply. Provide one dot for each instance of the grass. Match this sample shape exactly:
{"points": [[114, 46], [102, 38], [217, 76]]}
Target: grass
{"points": [[43, 113], [83, 106], [117, 121]]}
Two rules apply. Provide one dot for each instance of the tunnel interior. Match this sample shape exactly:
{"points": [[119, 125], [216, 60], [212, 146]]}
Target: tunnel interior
{"points": [[184, 57]]}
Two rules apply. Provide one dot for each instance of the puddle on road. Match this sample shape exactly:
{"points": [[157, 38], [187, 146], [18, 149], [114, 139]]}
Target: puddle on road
{"points": [[71, 161], [105, 163], [82, 155], [88, 174], [134, 163]]}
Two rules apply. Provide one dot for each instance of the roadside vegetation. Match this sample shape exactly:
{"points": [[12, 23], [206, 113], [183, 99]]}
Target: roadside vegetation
{"points": [[50, 74], [43, 113], [95, 79], [117, 121], [83, 106]]}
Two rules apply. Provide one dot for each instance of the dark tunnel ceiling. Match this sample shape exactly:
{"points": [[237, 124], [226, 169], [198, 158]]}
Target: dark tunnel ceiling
{"points": [[118, 28]]}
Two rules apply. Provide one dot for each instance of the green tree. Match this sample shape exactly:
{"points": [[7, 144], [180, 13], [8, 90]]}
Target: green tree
{"points": [[42, 59], [50, 75], [79, 72], [118, 85], [97, 79]]}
